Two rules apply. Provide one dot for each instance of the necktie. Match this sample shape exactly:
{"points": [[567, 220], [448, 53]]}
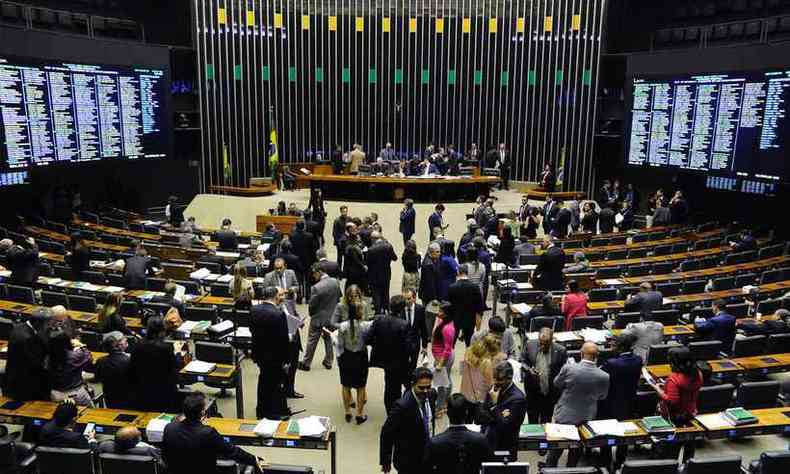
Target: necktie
{"points": [[425, 420], [409, 316], [282, 281]]}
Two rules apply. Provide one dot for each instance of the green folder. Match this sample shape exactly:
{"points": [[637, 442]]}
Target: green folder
{"points": [[532, 431], [293, 428], [656, 423], [740, 416]]}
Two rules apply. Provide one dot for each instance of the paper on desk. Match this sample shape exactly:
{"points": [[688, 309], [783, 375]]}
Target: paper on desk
{"points": [[606, 427], [187, 327], [530, 266], [200, 367], [597, 336], [508, 282], [244, 246], [225, 278], [200, 274], [228, 254], [565, 336], [180, 292], [263, 247], [524, 285], [629, 427], [610, 281], [521, 308], [211, 277], [713, 421], [554, 430], [243, 332], [156, 427], [473, 427], [497, 267], [311, 426], [266, 428]]}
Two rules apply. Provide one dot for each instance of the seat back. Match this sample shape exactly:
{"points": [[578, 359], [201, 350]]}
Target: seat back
{"points": [[638, 270], [739, 310], [689, 265], [20, 294], [127, 464], [662, 268], [662, 250], [93, 340], [705, 350], [715, 398], [97, 278], [714, 465], [778, 344], [680, 248], [159, 308], [82, 303], [609, 272], [221, 290], [772, 251], [602, 294], [694, 286], [215, 352], [129, 309], [668, 289], [645, 403], [651, 466], [213, 267], [769, 307], [657, 354], [752, 395], [775, 462], [618, 240], [595, 322], [616, 254], [539, 322], [745, 279], [551, 470], [190, 287], [64, 460], [667, 317], [200, 313], [749, 346], [724, 283], [622, 320], [53, 298], [599, 242], [155, 284]]}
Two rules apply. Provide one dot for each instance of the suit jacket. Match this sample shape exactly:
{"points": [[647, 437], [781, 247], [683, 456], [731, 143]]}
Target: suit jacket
{"points": [[590, 222], [269, 330], [529, 358], [442, 452], [228, 240], [719, 328], [338, 229], [112, 371], [506, 251], [432, 169], [548, 273], [429, 280], [190, 447], [26, 376], [380, 257], [304, 244], [628, 219], [624, 372], [647, 333], [389, 337], [23, 263], [561, 223], [606, 220], [80, 261], [323, 301], [550, 210], [407, 219], [403, 438], [661, 216], [354, 262], [153, 375], [645, 302], [136, 270], [502, 420], [466, 301], [53, 436], [141, 449], [357, 158], [331, 268], [291, 282], [292, 262], [418, 331], [583, 385], [434, 220]]}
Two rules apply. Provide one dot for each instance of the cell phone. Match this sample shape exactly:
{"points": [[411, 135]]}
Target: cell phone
{"points": [[12, 405], [125, 418], [89, 428]]}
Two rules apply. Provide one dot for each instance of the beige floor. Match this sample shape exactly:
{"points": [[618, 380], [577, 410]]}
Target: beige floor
{"points": [[358, 445]]}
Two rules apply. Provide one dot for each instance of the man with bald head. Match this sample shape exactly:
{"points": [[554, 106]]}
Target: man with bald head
{"points": [[380, 258], [129, 441], [583, 385], [542, 361], [60, 321]]}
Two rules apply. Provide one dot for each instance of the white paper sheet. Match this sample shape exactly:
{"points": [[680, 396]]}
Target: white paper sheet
{"points": [[570, 432], [266, 428], [311, 426], [200, 367], [606, 427]]}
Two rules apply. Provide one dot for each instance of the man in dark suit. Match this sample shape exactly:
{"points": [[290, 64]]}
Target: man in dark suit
{"points": [[541, 362], [23, 261], [380, 257], [355, 269], [128, 441], [414, 315], [466, 304], [429, 274], [606, 220], [137, 269], [153, 371], [678, 208], [746, 241], [227, 238], [548, 273], [390, 339], [59, 432], [562, 220], [624, 372], [112, 370], [436, 220], [292, 262], [550, 210], [410, 424], [189, 446], [503, 163], [458, 450], [26, 377], [503, 411], [327, 266], [169, 297], [408, 217], [271, 351], [646, 301], [339, 232], [304, 246], [721, 327]]}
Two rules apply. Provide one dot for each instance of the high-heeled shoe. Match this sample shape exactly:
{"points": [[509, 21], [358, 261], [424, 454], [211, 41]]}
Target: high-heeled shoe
{"points": [[348, 418], [361, 419]]}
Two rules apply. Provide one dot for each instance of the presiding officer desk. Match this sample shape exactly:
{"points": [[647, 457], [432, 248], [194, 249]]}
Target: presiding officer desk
{"points": [[236, 430]]}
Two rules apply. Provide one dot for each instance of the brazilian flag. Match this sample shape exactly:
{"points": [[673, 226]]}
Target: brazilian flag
{"points": [[274, 157], [228, 174]]}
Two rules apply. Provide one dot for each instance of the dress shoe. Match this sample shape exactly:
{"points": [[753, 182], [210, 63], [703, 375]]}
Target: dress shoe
{"points": [[327, 366], [295, 395], [303, 366]]}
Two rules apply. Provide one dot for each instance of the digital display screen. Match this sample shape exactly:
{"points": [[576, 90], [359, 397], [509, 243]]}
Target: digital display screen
{"points": [[57, 112], [728, 125]]}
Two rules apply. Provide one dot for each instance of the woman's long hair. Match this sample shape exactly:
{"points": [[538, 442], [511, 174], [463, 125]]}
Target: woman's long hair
{"points": [[486, 348], [239, 276], [682, 361], [438, 337], [111, 306]]}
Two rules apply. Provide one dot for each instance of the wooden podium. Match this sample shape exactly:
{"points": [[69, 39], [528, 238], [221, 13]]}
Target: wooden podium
{"points": [[283, 223]]}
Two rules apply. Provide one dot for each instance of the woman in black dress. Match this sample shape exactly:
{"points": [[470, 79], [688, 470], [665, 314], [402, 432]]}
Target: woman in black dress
{"points": [[506, 247], [590, 218], [352, 360], [411, 266]]}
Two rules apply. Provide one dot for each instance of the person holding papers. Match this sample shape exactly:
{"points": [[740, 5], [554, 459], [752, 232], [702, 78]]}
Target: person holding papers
{"points": [[137, 269], [624, 372], [458, 450], [542, 361], [270, 350], [583, 385], [169, 297], [678, 398]]}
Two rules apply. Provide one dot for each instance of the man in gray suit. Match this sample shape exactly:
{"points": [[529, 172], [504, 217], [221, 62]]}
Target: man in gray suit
{"points": [[524, 247], [647, 333], [583, 385], [646, 301], [323, 300], [541, 362]]}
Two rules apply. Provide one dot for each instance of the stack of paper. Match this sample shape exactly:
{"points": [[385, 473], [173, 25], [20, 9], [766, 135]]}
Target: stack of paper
{"points": [[5, 273], [570, 432], [113, 289], [311, 427], [156, 427], [225, 278], [565, 336], [714, 421], [597, 336], [473, 427], [520, 308], [266, 428], [508, 282], [200, 367], [497, 267], [187, 327], [243, 332], [532, 431], [524, 285], [606, 427], [200, 274], [516, 370]]}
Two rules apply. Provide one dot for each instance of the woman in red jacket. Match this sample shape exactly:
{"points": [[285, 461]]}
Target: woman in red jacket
{"points": [[679, 397], [574, 303]]}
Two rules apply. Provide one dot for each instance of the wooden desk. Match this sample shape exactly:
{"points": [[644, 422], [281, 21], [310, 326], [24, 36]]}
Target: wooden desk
{"points": [[684, 433], [284, 224], [81, 318], [718, 366], [764, 364], [541, 195], [669, 331], [769, 421], [40, 411], [115, 231], [395, 188], [62, 238], [661, 258], [106, 421]]}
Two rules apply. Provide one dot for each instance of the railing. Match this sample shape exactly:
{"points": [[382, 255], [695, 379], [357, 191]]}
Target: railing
{"points": [[30, 17], [761, 30]]}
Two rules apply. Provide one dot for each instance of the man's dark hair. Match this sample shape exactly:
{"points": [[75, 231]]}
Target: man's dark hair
{"points": [[463, 269], [269, 292], [300, 224], [503, 370], [422, 373], [155, 328], [65, 413], [457, 408], [316, 268], [194, 405], [721, 304], [397, 304], [496, 325], [573, 286], [624, 342], [439, 207]]}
